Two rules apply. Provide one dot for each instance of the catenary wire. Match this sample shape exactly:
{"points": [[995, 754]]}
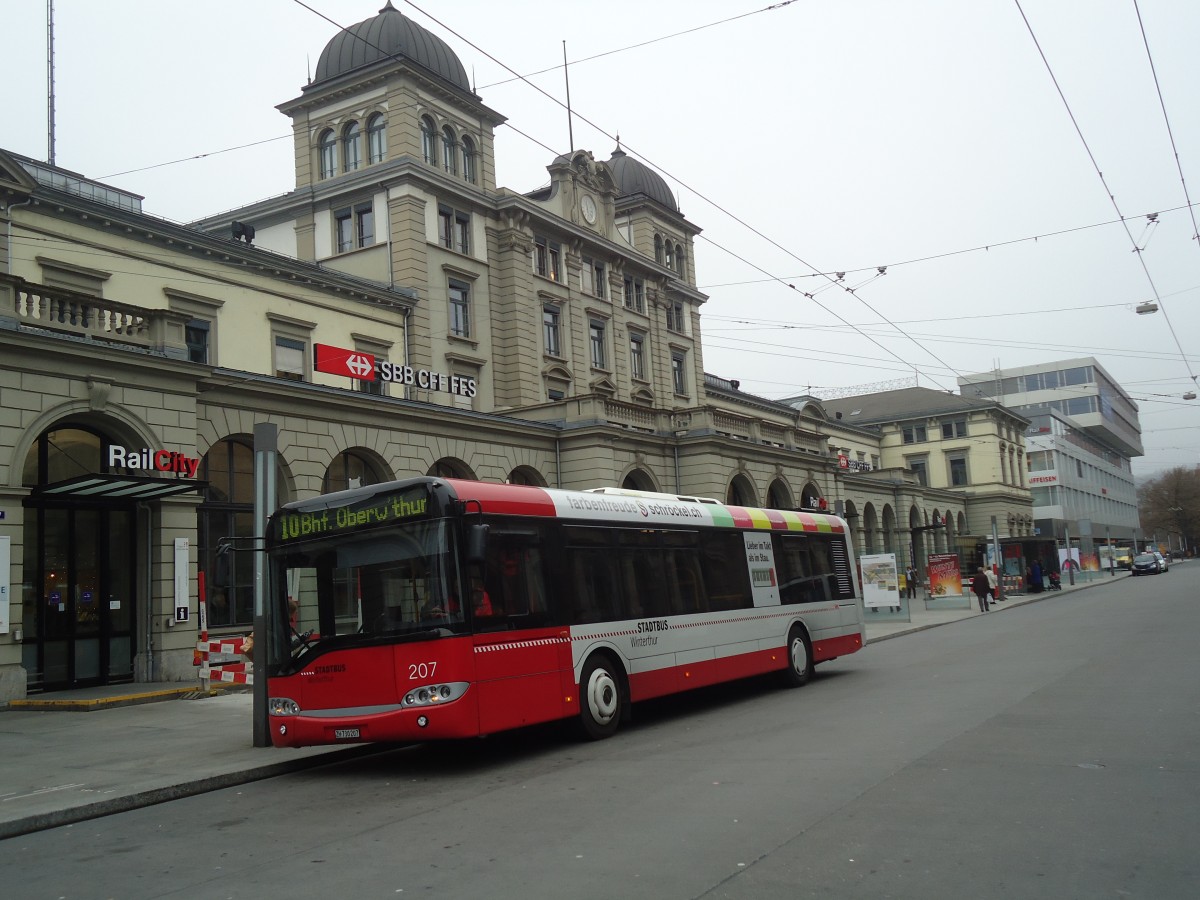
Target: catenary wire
{"points": [[1167, 121], [1104, 183], [684, 184]]}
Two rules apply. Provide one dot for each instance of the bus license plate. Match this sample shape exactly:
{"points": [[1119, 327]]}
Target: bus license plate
{"points": [[342, 734]]}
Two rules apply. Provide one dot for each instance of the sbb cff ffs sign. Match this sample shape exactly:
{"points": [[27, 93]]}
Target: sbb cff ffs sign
{"points": [[364, 366]]}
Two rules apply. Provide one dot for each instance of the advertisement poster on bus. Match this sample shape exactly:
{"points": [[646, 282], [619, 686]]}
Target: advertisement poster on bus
{"points": [[760, 556], [945, 580], [880, 580]]}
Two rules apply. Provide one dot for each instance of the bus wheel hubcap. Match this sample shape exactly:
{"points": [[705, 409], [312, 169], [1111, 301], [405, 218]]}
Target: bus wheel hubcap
{"points": [[603, 696], [799, 657]]}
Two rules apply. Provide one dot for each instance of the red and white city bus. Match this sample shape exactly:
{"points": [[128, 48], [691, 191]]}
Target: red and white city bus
{"points": [[438, 608]]}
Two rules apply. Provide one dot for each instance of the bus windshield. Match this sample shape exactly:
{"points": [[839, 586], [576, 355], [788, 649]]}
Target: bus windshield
{"points": [[376, 584]]}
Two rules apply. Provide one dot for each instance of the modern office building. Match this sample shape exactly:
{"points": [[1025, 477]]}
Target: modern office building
{"points": [[1083, 431]]}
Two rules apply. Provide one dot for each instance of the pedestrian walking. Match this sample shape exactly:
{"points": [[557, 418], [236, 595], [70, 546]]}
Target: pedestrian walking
{"points": [[981, 589], [910, 582], [991, 577]]}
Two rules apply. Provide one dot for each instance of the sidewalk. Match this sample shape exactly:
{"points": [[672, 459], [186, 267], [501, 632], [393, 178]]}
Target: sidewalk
{"points": [[76, 755]]}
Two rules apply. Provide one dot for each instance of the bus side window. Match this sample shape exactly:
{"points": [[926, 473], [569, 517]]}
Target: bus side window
{"points": [[645, 584], [689, 595], [514, 578], [593, 584], [726, 572], [803, 574]]}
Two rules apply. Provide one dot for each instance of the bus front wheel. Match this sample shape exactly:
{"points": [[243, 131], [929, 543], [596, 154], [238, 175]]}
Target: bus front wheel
{"points": [[800, 662], [601, 699]]}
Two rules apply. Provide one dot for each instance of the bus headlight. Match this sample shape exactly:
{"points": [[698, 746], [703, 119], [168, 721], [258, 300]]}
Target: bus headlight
{"points": [[283, 706], [435, 694]]}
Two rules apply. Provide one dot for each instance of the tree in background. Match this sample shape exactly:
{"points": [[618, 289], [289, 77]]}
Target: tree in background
{"points": [[1170, 504]]}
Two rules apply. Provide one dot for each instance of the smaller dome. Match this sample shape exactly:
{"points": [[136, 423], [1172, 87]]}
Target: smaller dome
{"points": [[386, 35], [633, 177]]}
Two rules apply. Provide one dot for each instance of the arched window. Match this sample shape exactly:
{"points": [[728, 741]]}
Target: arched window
{"points": [[658, 249], [328, 145], [669, 260], [429, 140], [376, 138], [449, 467], [468, 157], [740, 492], [638, 480], [679, 258], [449, 150], [349, 470], [526, 475], [227, 511], [352, 146]]}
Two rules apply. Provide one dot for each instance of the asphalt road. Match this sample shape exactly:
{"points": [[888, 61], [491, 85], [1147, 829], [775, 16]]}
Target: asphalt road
{"points": [[1052, 751]]}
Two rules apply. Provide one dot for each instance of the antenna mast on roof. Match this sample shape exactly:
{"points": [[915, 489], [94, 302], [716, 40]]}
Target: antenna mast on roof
{"points": [[50, 81], [567, 79]]}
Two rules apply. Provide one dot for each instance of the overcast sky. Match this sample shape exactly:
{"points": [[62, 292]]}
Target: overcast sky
{"points": [[928, 137]]}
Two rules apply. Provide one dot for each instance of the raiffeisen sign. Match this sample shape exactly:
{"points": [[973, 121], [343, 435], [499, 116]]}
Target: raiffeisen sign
{"points": [[365, 367]]}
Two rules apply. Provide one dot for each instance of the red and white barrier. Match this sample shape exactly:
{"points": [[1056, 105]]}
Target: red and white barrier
{"points": [[221, 669]]}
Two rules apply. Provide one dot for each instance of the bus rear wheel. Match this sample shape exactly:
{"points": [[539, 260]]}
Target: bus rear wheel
{"points": [[601, 698], [800, 662]]}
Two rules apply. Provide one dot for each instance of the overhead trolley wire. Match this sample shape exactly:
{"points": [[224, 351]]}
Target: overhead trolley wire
{"points": [[1104, 182]]}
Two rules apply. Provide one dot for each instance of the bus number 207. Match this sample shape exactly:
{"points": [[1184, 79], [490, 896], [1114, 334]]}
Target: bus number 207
{"points": [[421, 671]]}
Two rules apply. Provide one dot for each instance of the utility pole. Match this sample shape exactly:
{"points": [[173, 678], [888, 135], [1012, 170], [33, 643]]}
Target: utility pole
{"points": [[266, 442]]}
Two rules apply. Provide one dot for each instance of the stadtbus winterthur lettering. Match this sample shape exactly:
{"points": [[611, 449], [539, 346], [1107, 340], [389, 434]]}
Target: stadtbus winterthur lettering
{"points": [[311, 524]]}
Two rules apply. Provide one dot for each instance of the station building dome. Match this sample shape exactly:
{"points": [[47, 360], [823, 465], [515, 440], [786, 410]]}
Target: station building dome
{"points": [[634, 177], [383, 36]]}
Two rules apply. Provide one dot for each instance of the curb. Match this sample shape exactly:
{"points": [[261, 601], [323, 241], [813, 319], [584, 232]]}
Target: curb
{"points": [[142, 799], [1026, 599]]}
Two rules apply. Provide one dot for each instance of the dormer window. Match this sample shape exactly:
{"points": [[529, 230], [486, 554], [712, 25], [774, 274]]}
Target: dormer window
{"points": [[429, 140], [328, 153]]}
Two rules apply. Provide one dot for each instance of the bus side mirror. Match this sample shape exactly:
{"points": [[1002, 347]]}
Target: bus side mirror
{"points": [[223, 569], [477, 538]]}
